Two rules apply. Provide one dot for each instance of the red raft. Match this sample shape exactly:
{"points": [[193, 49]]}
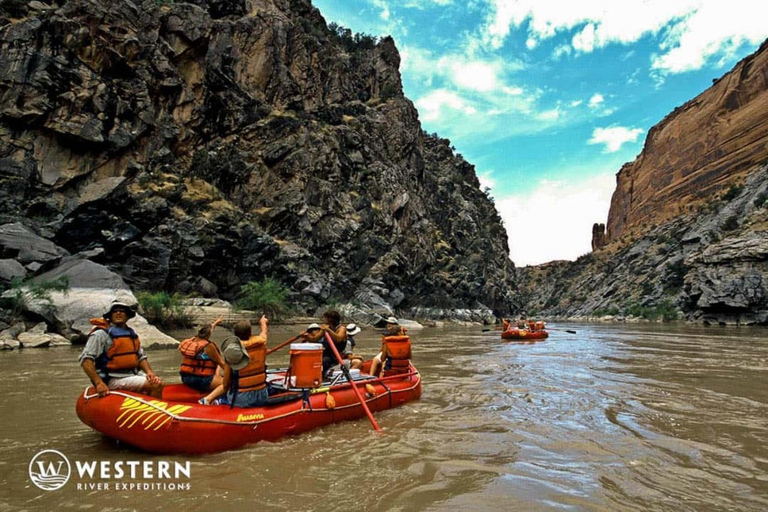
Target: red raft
{"points": [[524, 334], [178, 424]]}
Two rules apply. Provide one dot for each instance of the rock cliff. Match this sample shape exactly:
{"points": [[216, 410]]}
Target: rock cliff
{"points": [[709, 264], [687, 233], [698, 150], [197, 146]]}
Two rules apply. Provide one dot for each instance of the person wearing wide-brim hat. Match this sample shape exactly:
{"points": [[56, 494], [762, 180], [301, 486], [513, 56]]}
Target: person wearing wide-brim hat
{"points": [[393, 328], [355, 361], [245, 377], [113, 358]]}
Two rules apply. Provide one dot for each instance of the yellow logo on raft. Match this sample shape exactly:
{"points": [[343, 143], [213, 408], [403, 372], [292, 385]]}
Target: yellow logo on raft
{"points": [[249, 417], [151, 413]]}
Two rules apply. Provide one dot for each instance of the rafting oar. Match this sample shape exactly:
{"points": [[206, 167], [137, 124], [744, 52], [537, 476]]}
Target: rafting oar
{"points": [[346, 373], [283, 344], [555, 329]]}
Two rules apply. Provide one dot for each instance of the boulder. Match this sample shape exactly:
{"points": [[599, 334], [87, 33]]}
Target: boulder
{"points": [[9, 344], [19, 242], [10, 269], [34, 340], [92, 288]]}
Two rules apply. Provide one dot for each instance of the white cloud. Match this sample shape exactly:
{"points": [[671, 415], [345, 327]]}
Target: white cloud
{"points": [[576, 103], [596, 100], [560, 51], [696, 32], [531, 43], [512, 91], [563, 211], [474, 75], [381, 4], [433, 105], [463, 72], [584, 41], [548, 115], [614, 137]]}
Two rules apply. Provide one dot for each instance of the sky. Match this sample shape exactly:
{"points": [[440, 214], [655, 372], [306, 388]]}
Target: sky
{"points": [[548, 98]]}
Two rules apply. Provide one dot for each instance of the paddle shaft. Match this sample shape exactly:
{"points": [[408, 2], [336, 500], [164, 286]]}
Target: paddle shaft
{"points": [[345, 370], [282, 345]]}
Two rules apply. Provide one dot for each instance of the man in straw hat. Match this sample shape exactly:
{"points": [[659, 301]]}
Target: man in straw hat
{"points": [[113, 358]]}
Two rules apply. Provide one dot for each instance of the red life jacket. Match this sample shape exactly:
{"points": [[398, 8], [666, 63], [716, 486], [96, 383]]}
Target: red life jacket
{"points": [[254, 376], [398, 353], [192, 363]]}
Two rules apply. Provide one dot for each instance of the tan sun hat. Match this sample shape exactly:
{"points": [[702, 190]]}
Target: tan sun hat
{"points": [[129, 312], [311, 327], [234, 353], [392, 320], [353, 329]]}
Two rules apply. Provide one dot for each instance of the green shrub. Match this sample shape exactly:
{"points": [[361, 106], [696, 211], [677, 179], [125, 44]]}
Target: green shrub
{"points": [[676, 271], [665, 310], [730, 223], [26, 292], [267, 296], [166, 310], [733, 192]]}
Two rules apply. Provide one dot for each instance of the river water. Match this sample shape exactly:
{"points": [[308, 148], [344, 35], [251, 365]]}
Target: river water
{"points": [[615, 417]]}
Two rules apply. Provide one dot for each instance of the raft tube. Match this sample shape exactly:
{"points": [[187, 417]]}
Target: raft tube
{"points": [[178, 424], [523, 334]]}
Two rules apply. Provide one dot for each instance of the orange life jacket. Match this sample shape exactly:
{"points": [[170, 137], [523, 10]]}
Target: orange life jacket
{"points": [[398, 353], [123, 354], [254, 376], [192, 363]]}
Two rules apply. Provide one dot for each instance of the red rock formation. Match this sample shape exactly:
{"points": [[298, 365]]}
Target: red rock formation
{"points": [[697, 150], [598, 236]]}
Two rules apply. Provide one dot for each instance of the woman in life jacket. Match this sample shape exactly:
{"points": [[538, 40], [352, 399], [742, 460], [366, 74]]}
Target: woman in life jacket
{"points": [[393, 330], [245, 373], [201, 358]]}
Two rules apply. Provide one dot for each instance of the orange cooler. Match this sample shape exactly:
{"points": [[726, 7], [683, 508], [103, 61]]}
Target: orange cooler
{"points": [[306, 364]]}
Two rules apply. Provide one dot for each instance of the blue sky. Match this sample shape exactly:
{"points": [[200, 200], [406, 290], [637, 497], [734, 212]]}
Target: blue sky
{"points": [[548, 98]]}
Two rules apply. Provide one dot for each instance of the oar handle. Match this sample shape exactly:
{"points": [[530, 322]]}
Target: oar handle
{"points": [[282, 345], [345, 370]]}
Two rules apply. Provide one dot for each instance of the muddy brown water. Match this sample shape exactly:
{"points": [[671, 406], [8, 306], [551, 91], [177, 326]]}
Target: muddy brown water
{"points": [[616, 417]]}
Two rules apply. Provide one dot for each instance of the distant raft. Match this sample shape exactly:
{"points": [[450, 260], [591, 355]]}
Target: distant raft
{"points": [[178, 424], [524, 334]]}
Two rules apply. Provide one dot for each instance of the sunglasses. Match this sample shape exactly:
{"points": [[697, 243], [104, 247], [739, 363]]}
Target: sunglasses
{"points": [[120, 310]]}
